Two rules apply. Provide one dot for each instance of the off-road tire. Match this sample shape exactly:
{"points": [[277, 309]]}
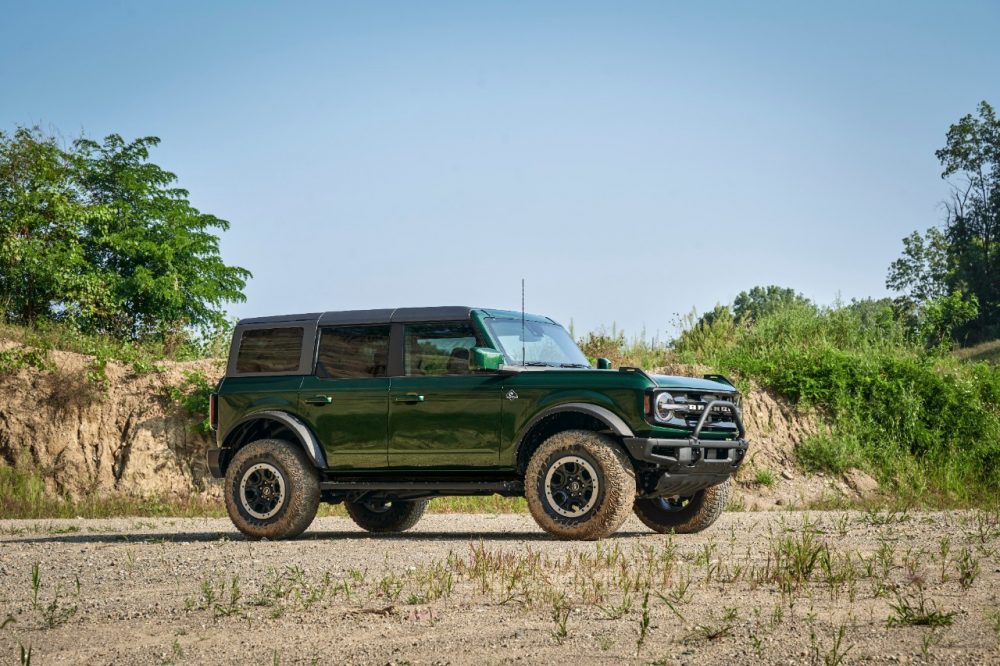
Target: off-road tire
{"points": [[300, 481], [398, 516], [615, 485], [702, 509]]}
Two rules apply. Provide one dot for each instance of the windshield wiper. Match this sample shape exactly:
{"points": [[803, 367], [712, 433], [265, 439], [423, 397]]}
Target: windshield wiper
{"points": [[551, 364]]}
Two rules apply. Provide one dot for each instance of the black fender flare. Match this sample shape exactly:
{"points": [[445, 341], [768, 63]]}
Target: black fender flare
{"points": [[307, 439], [614, 422]]}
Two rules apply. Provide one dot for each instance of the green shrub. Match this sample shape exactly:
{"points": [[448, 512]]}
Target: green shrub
{"points": [[919, 420], [193, 397], [822, 452], [12, 360], [636, 352]]}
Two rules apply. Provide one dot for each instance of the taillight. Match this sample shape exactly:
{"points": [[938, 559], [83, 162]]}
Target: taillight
{"points": [[213, 410]]}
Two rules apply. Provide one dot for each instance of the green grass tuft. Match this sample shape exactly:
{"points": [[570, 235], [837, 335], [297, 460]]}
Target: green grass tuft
{"points": [[765, 477]]}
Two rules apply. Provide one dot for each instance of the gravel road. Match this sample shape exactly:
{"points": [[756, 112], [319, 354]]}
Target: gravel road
{"points": [[757, 587]]}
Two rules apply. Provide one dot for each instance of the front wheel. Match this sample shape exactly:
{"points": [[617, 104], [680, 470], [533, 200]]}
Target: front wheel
{"points": [[579, 485], [383, 516], [683, 515]]}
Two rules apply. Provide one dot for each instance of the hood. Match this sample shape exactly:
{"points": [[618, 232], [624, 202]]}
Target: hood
{"points": [[671, 381]]}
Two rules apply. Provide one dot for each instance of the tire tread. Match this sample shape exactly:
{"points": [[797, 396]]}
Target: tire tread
{"points": [[701, 512], [401, 516], [302, 481]]}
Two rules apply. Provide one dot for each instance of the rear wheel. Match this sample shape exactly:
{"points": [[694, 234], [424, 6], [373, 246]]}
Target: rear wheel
{"points": [[683, 515], [579, 485], [272, 490], [382, 516]]}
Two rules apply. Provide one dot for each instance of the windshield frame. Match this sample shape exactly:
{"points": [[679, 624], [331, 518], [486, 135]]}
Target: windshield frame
{"points": [[560, 340]]}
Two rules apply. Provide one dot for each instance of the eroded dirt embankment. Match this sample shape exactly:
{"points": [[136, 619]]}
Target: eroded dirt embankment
{"points": [[125, 437], [130, 438]]}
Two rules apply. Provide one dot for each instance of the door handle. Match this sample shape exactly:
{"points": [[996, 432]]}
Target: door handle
{"points": [[318, 400], [409, 397]]}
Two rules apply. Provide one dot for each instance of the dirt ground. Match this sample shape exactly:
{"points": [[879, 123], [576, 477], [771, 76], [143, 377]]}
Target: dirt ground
{"points": [[775, 587]]}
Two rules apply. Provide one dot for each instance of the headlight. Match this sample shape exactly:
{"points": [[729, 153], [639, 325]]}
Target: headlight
{"points": [[663, 407]]}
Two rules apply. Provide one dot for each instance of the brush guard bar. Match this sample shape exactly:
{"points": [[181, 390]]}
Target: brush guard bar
{"points": [[688, 465]]}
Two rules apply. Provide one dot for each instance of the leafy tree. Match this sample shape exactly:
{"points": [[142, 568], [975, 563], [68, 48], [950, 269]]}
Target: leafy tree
{"points": [[720, 314], [874, 317], [971, 159], [749, 306], [717, 328], [99, 236], [706, 335], [942, 316], [963, 257], [158, 253], [42, 225], [921, 274]]}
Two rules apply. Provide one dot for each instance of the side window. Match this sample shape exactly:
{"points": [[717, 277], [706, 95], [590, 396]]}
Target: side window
{"points": [[270, 350], [438, 349], [353, 352]]}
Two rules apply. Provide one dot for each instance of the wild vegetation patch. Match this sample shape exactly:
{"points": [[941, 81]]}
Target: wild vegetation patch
{"points": [[924, 422], [918, 419]]}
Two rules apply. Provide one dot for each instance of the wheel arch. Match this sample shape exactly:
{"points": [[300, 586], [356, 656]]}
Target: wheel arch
{"points": [[272, 424], [566, 416]]}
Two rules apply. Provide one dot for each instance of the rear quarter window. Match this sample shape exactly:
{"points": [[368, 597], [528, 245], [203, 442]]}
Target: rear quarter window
{"points": [[270, 350]]}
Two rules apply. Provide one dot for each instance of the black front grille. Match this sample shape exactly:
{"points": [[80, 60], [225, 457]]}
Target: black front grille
{"points": [[721, 415]]}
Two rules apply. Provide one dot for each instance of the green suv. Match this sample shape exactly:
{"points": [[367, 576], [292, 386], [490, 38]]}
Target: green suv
{"points": [[384, 409]]}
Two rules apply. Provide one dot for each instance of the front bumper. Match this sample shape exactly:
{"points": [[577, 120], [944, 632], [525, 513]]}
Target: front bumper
{"points": [[689, 456], [684, 466]]}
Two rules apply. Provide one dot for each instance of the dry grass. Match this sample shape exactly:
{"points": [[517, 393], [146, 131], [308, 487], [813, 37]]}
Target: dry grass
{"points": [[817, 588], [803, 564], [987, 351], [24, 496]]}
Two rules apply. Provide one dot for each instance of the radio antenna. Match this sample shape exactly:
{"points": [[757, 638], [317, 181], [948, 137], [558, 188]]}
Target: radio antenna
{"points": [[522, 322]]}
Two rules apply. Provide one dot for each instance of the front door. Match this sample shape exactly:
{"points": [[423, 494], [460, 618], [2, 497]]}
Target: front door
{"points": [[346, 400], [441, 415]]}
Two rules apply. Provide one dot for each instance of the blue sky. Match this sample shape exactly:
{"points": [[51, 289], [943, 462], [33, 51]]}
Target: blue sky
{"points": [[631, 160]]}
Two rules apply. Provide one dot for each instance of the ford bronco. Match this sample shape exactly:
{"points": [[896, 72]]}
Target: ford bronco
{"points": [[384, 409]]}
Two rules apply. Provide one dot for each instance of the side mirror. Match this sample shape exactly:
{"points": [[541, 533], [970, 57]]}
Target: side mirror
{"points": [[603, 364], [484, 359]]}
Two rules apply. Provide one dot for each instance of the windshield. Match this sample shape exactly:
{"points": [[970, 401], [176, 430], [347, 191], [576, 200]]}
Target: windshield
{"points": [[542, 344]]}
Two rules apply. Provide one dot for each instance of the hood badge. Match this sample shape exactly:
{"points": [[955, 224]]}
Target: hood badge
{"points": [[512, 394]]}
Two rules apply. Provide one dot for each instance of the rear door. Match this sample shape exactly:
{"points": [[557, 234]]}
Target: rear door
{"points": [[441, 415], [346, 399]]}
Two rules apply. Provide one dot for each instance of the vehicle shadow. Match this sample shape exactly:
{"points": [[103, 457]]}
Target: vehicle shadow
{"points": [[308, 537]]}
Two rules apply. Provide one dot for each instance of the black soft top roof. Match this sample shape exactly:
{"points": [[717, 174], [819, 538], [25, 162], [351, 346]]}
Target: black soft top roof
{"points": [[382, 316]]}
